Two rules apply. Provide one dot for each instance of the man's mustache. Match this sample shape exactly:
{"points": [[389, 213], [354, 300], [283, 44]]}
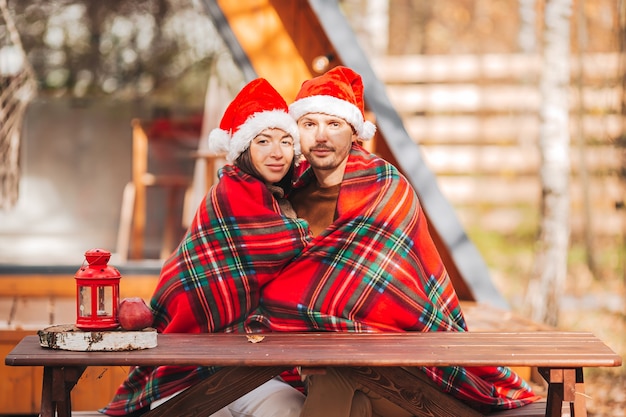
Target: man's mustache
{"points": [[322, 148]]}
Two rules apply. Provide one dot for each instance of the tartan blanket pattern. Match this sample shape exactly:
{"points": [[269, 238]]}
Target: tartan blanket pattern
{"points": [[213, 278], [376, 269]]}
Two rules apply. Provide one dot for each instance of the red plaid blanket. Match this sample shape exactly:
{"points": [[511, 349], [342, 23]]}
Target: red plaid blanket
{"points": [[213, 279], [375, 269]]}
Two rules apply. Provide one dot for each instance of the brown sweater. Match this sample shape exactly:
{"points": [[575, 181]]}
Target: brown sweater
{"points": [[316, 205]]}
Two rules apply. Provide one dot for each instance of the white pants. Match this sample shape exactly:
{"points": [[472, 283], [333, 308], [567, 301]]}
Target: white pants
{"points": [[275, 398]]}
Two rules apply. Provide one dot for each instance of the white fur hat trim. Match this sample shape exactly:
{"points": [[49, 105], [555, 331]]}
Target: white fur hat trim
{"points": [[221, 141], [334, 106]]}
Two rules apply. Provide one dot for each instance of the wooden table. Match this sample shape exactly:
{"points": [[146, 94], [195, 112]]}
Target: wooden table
{"points": [[383, 362]]}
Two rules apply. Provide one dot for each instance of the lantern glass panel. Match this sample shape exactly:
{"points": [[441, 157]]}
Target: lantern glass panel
{"points": [[105, 301], [84, 300]]}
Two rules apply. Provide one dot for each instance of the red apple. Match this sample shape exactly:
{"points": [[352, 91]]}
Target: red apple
{"points": [[134, 314]]}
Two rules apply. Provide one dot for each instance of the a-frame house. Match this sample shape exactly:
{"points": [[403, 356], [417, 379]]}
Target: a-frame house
{"points": [[281, 40]]}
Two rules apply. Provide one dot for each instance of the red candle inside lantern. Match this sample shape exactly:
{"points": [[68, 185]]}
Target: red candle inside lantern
{"points": [[97, 292]]}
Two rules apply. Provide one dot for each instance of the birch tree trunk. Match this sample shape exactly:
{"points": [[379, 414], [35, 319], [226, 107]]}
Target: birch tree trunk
{"points": [[548, 281], [527, 38], [583, 170], [621, 141]]}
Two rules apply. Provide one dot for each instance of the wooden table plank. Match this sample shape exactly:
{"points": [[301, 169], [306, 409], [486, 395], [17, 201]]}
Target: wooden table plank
{"points": [[560, 355], [542, 349]]}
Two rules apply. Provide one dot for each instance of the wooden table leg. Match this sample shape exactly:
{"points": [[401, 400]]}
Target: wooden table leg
{"points": [[580, 405], [60, 394], [215, 392], [48, 408], [565, 385], [57, 386]]}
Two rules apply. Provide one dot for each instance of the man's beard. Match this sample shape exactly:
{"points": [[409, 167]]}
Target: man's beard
{"points": [[327, 162]]}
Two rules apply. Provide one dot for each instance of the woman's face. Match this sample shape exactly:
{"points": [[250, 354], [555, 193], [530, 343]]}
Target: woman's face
{"points": [[271, 152]]}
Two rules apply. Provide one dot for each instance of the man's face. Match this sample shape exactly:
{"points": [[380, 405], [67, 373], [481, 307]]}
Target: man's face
{"points": [[326, 142]]}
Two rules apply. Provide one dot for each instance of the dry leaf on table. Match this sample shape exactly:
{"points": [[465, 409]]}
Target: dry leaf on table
{"points": [[255, 338]]}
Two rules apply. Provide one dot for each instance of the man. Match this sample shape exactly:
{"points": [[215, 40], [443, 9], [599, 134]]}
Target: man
{"points": [[372, 265], [330, 122]]}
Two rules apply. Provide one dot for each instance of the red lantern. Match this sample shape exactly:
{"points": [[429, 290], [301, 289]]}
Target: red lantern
{"points": [[97, 292]]}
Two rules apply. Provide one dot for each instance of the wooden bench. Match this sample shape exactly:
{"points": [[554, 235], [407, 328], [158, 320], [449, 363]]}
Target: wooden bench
{"points": [[384, 362]]}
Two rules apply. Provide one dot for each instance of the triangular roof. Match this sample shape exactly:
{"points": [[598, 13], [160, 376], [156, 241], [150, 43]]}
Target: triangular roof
{"points": [[279, 40]]}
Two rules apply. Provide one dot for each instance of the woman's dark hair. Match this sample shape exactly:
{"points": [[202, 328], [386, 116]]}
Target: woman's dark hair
{"points": [[244, 162]]}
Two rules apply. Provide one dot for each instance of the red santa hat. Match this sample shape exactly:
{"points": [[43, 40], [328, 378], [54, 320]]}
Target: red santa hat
{"points": [[257, 107], [338, 92]]}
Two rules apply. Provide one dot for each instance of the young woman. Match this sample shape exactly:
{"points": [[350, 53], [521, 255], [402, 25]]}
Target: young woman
{"points": [[212, 280]]}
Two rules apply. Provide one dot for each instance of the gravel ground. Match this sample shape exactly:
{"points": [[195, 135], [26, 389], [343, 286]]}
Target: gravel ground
{"points": [[598, 307], [606, 387], [607, 395], [604, 314]]}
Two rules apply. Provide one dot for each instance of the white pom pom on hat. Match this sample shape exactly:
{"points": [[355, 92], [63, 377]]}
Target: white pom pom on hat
{"points": [[257, 107], [338, 92]]}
